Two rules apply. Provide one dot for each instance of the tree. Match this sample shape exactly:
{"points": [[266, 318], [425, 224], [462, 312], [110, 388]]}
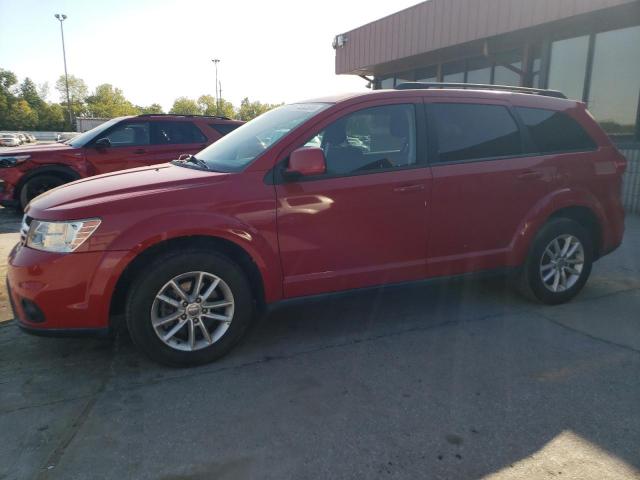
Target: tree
{"points": [[52, 117], [249, 110], [29, 93], [109, 102], [78, 92], [153, 108], [21, 116], [185, 106], [7, 98], [208, 106]]}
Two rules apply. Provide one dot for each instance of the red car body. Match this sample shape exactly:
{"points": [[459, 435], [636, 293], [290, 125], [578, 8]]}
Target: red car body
{"points": [[71, 163], [328, 235]]}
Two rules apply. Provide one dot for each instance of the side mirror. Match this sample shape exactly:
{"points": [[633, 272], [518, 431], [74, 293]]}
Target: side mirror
{"points": [[102, 143], [306, 161]]}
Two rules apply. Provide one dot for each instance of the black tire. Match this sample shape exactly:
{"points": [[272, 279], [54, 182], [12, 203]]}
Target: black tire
{"points": [[531, 282], [151, 280], [38, 185]]}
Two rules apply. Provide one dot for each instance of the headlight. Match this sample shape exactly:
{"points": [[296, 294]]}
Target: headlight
{"points": [[60, 236], [7, 161]]}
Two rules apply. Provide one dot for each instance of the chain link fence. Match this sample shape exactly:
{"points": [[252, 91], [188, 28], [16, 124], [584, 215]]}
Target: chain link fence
{"points": [[631, 180]]}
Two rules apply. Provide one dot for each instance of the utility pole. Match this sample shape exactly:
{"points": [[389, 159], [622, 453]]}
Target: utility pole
{"points": [[61, 18], [216, 61]]}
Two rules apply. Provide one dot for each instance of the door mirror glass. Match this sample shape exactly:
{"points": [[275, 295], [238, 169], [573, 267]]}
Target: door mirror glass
{"points": [[103, 143], [306, 161]]}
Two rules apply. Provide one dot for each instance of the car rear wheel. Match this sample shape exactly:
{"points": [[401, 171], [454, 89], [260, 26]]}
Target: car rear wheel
{"points": [[559, 262], [36, 186], [189, 308]]}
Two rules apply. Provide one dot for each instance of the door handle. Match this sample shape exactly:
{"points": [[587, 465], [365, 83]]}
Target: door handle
{"points": [[139, 151], [409, 188], [530, 175]]}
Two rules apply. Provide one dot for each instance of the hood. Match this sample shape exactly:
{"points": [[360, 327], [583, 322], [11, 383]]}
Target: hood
{"points": [[42, 148], [121, 190]]}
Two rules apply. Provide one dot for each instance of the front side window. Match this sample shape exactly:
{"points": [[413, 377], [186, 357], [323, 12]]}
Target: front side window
{"points": [[167, 133], [553, 131], [368, 140], [129, 134], [471, 131], [239, 148]]}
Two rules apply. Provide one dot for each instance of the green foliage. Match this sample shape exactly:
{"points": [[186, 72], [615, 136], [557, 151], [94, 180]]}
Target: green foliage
{"points": [[207, 105], [29, 93], [22, 116], [52, 117], [153, 108], [78, 93], [185, 106], [249, 110], [109, 102]]}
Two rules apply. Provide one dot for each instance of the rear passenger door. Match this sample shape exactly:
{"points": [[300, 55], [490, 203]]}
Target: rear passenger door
{"points": [[484, 185], [170, 139]]}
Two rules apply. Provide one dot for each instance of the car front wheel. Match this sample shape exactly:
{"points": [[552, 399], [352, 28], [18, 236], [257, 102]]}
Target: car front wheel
{"points": [[559, 262], [189, 308]]}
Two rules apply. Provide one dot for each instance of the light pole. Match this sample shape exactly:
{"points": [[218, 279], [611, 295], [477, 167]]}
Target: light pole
{"points": [[216, 61], [62, 17]]}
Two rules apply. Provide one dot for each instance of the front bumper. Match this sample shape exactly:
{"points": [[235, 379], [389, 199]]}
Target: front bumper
{"points": [[70, 293]]}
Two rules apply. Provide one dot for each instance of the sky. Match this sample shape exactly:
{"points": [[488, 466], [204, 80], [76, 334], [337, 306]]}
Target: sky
{"points": [[157, 50]]}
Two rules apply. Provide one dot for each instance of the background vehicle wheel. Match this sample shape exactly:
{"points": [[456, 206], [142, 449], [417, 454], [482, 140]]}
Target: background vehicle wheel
{"points": [[559, 262], [189, 308], [37, 185]]}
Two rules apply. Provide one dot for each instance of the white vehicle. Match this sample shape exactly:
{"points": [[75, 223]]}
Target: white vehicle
{"points": [[9, 140], [22, 137]]}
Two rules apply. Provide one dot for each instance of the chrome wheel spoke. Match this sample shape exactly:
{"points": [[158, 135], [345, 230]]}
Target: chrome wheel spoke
{"points": [[546, 267], [573, 250], [561, 263], [556, 281], [548, 276], [182, 318], [572, 270]]}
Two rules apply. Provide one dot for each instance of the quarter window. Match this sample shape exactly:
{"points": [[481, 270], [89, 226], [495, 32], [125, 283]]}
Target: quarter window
{"points": [[224, 128], [370, 139], [553, 131], [471, 131]]}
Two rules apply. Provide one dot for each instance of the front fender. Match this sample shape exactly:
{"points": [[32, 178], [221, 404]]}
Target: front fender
{"points": [[261, 246]]}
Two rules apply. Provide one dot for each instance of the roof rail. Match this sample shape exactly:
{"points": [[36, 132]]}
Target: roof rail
{"points": [[480, 86], [219, 117]]}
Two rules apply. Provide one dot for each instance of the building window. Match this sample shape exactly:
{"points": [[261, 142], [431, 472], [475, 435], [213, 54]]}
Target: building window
{"points": [[615, 81], [429, 74], [388, 82], [502, 75], [479, 70], [568, 66], [453, 72]]}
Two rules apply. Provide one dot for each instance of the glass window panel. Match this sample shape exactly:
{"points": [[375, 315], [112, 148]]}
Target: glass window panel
{"points": [[470, 131], [453, 72], [370, 139], [553, 131], [479, 70], [429, 74], [387, 82], [568, 66], [129, 135], [615, 80], [503, 75]]}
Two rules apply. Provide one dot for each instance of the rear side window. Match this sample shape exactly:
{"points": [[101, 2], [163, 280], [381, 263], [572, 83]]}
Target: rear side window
{"points": [[553, 131], [472, 131], [224, 128], [176, 133]]}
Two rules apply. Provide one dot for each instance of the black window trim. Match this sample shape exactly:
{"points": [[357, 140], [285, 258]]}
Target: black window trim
{"points": [[275, 176], [525, 141]]}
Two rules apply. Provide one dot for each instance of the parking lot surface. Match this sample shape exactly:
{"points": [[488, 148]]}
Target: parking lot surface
{"points": [[449, 380]]}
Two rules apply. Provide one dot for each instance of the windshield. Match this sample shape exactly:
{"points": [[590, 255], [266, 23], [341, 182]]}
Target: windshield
{"points": [[236, 150], [84, 138]]}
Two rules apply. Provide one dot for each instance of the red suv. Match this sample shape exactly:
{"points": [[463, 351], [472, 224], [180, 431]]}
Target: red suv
{"points": [[120, 143], [323, 196]]}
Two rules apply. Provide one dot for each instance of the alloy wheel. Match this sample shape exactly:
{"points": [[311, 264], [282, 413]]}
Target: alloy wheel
{"points": [[562, 263]]}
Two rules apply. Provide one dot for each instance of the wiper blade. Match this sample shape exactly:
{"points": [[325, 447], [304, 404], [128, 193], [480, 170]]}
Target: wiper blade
{"points": [[192, 159]]}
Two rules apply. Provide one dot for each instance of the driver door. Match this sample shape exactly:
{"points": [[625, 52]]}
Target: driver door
{"points": [[130, 147], [363, 222]]}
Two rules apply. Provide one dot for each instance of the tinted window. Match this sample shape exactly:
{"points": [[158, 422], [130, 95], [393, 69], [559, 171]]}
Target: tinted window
{"points": [[467, 132], [554, 131], [129, 134], [370, 139], [568, 66], [177, 133], [224, 128]]}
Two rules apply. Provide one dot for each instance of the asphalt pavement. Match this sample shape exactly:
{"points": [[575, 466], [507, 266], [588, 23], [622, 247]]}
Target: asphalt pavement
{"points": [[451, 380]]}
